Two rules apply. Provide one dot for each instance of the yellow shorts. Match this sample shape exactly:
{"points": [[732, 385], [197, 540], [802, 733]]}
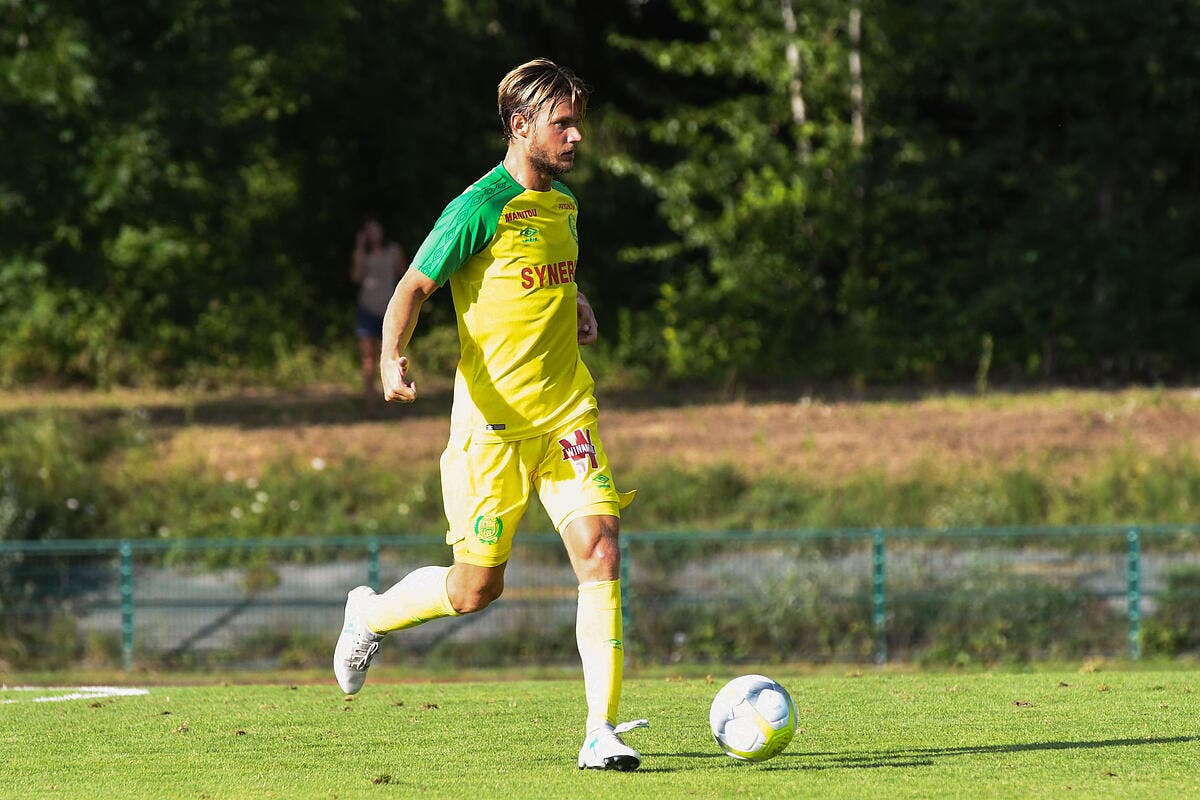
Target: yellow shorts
{"points": [[486, 487]]}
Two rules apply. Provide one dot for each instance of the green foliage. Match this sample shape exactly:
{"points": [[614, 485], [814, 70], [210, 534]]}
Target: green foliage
{"points": [[290, 499], [1132, 486], [1175, 625], [814, 619], [53, 478], [974, 210], [677, 497], [530, 641], [164, 170], [141, 212], [755, 601], [51, 642], [1126, 487], [180, 183], [732, 182], [992, 617], [65, 475]]}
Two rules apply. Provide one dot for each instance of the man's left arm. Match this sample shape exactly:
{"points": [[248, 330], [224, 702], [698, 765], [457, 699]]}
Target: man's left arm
{"points": [[587, 320]]}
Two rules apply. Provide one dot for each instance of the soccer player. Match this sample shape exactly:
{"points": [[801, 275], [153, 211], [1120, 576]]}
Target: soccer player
{"points": [[524, 413]]}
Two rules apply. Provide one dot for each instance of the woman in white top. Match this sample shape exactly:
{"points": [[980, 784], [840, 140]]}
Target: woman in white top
{"points": [[376, 266]]}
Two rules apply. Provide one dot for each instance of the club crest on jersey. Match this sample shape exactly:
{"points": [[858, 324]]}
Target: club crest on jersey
{"points": [[574, 229], [579, 451]]}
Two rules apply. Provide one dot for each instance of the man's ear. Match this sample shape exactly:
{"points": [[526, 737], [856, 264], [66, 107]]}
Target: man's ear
{"points": [[519, 124]]}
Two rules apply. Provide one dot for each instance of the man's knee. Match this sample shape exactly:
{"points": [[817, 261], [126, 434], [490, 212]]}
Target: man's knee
{"points": [[472, 588], [592, 543], [477, 599]]}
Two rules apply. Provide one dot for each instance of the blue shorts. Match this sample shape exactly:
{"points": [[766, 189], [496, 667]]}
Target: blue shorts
{"points": [[367, 325]]}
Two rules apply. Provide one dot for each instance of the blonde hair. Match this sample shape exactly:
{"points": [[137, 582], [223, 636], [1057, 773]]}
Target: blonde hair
{"points": [[529, 88]]}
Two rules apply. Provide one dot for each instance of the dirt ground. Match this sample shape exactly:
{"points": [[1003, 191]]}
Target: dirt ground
{"points": [[826, 440]]}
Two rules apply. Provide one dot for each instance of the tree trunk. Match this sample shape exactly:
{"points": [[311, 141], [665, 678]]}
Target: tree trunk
{"points": [[856, 82], [795, 79]]}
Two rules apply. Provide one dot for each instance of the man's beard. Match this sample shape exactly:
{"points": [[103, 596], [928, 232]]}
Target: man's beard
{"points": [[542, 162]]}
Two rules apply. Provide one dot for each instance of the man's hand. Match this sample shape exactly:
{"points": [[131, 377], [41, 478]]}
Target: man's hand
{"points": [[587, 320], [396, 385]]}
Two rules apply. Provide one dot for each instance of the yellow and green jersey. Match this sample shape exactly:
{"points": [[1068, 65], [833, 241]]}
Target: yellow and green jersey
{"points": [[510, 255]]}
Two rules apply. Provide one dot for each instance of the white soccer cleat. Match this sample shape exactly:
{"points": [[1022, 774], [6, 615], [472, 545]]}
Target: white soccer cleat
{"points": [[603, 748], [357, 645]]}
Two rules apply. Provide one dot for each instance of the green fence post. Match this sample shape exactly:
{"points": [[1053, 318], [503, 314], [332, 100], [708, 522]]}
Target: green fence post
{"points": [[879, 596], [1134, 558], [126, 551], [373, 563], [623, 549]]}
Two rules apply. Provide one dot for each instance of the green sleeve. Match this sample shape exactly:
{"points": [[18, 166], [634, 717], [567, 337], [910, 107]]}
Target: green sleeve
{"points": [[465, 228]]}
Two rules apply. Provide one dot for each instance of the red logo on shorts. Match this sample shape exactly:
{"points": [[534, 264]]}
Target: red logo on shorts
{"points": [[580, 449]]}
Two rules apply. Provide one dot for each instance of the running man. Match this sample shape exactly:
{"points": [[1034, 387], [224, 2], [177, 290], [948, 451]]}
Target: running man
{"points": [[524, 414]]}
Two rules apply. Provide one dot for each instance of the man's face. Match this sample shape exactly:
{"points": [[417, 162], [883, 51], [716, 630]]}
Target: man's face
{"points": [[374, 233], [553, 139]]}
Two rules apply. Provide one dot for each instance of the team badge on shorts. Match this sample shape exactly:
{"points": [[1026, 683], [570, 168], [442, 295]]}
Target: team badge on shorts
{"points": [[488, 529], [580, 451]]}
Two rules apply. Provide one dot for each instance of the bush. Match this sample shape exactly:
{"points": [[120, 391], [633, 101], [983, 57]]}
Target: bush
{"points": [[993, 617], [786, 602], [53, 481], [1174, 628], [530, 642]]}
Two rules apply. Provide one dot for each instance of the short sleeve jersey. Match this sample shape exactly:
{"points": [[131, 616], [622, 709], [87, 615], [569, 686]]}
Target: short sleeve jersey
{"points": [[510, 255]]}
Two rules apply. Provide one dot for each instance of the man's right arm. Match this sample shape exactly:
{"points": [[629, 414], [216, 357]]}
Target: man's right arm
{"points": [[464, 228], [398, 324]]}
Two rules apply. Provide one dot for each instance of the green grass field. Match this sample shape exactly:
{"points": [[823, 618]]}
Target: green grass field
{"points": [[1046, 734]]}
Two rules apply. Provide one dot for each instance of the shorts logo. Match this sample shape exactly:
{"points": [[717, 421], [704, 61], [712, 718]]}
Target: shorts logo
{"points": [[580, 452], [488, 529]]}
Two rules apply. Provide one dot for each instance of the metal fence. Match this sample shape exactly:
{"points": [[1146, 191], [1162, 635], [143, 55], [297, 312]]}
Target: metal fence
{"points": [[818, 595]]}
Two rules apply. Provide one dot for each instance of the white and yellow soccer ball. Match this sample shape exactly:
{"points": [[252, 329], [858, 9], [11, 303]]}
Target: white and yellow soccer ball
{"points": [[753, 718]]}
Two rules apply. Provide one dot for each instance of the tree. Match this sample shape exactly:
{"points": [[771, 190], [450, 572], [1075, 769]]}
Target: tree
{"points": [[754, 171], [1025, 167]]}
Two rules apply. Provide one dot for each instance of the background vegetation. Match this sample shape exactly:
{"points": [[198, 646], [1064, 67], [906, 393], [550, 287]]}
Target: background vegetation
{"points": [[852, 190], [776, 193], [63, 476]]}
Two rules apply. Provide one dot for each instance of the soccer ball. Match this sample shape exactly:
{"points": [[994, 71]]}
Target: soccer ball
{"points": [[753, 718]]}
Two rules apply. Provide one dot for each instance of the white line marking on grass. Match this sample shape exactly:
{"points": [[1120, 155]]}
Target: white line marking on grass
{"points": [[72, 693]]}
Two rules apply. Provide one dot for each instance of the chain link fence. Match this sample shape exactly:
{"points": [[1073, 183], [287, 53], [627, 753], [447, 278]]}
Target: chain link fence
{"points": [[944, 596]]}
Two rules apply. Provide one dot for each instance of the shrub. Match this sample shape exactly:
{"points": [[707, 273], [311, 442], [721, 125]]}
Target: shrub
{"points": [[992, 617], [1174, 627]]}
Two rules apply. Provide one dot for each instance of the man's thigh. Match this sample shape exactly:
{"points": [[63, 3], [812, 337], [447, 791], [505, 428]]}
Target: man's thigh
{"points": [[573, 478], [485, 490]]}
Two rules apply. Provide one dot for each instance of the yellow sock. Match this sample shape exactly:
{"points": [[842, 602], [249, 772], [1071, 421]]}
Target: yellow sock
{"points": [[419, 597], [598, 634]]}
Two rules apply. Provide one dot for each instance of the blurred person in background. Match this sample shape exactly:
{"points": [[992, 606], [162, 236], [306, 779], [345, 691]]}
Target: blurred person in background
{"points": [[375, 266]]}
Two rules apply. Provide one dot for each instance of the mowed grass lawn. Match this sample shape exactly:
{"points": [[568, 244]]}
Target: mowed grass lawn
{"points": [[874, 735]]}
